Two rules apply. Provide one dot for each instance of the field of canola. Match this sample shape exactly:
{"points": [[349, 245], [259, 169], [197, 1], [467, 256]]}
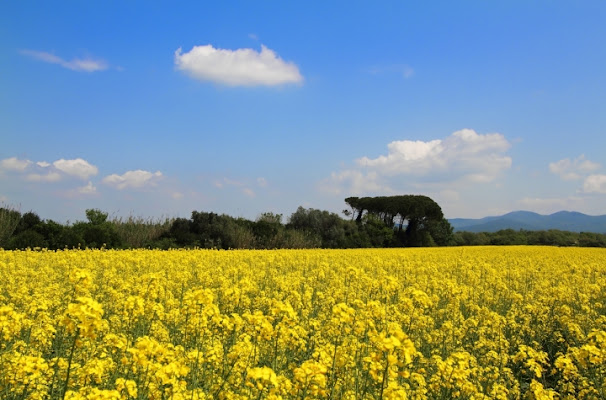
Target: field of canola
{"points": [[446, 323]]}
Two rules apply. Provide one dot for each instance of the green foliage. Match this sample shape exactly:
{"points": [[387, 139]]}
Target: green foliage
{"points": [[332, 230], [96, 217], [440, 232], [552, 237], [28, 221], [374, 222], [588, 239], [418, 219], [137, 232], [29, 238], [508, 237], [266, 229], [97, 232], [9, 219], [378, 234]]}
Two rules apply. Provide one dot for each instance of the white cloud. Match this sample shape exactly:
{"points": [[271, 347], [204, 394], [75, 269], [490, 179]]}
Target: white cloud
{"points": [[77, 167], [76, 64], [595, 184], [42, 171], [48, 177], [177, 195], [464, 156], [14, 164], [241, 67], [88, 189], [132, 179], [568, 169], [465, 152]]}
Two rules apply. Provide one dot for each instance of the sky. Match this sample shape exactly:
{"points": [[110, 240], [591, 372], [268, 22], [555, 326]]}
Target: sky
{"points": [[157, 109]]}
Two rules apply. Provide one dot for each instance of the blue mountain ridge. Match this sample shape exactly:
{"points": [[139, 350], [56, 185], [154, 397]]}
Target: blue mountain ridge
{"points": [[563, 220]]}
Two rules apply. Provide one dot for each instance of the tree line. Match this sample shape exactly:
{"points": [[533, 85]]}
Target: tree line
{"points": [[385, 221]]}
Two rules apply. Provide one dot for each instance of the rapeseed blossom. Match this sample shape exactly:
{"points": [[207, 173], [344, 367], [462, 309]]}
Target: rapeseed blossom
{"points": [[445, 323]]}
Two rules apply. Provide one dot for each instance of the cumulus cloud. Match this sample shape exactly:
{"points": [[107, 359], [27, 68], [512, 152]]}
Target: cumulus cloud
{"points": [[595, 184], [464, 155], [78, 168], [465, 151], [241, 67], [568, 169], [42, 171], [14, 164], [77, 64], [133, 179]]}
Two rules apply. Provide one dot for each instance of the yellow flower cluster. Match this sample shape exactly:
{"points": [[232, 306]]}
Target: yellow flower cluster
{"points": [[445, 323]]}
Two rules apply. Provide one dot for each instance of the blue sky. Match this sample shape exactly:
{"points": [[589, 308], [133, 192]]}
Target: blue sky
{"points": [[160, 108]]}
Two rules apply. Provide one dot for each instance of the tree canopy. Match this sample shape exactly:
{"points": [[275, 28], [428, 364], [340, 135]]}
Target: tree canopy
{"points": [[418, 219]]}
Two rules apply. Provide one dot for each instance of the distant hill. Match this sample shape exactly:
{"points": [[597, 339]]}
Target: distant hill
{"points": [[562, 220]]}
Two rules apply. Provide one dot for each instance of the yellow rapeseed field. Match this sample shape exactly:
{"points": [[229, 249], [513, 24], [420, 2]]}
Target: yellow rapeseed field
{"points": [[445, 323]]}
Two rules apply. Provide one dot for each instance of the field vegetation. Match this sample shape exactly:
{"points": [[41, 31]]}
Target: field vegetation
{"points": [[442, 323], [379, 225]]}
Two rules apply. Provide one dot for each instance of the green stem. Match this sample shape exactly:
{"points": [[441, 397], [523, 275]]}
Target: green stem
{"points": [[69, 362], [385, 376]]}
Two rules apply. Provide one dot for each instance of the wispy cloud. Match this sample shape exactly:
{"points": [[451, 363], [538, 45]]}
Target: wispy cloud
{"points": [[262, 182], [568, 169], [248, 192], [87, 190], [87, 64], [51, 176], [404, 69], [241, 67]]}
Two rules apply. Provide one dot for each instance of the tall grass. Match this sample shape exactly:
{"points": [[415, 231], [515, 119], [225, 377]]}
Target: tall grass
{"points": [[138, 232], [9, 218]]}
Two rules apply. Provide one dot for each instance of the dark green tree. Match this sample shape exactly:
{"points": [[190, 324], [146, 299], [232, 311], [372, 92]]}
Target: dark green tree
{"points": [[418, 220], [98, 232], [9, 219]]}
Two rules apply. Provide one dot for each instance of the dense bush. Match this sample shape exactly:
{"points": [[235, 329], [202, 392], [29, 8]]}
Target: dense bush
{"points": [[306, 228]]}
